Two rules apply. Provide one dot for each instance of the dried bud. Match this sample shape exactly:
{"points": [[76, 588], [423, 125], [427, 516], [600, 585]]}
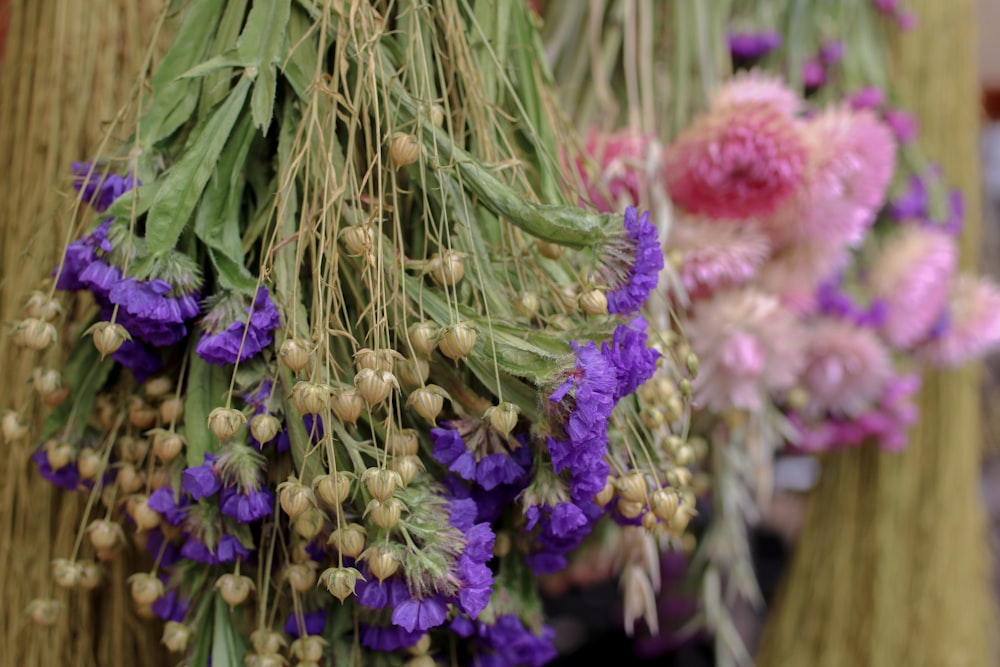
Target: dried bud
{"points": [[414, 372], [374, 386], [427, 401], [108, 337], [340, 581], [437, 115], [13, 426], [423, 660], [446, 268], [301, 576], [527, 303], [145, 588], [630, 509], [234, 588], [402, 442], [379, 360], [594, 302], [294, 354], [664, 503], [167, 445], [384, 514], [311, 398], [295, 497], [130, 479], [358, 239], [502, 417], [650, 521], [349, 540], [141, 414], [381, 483], [632, 486], [267, 641], [381, 561], [264, 660], [104, 535], [684, 456], [66, 573], [158, 387], [56, 398], [549, 250], [34, 334], [89, 464], [41, 307], [133, 450], [422, 646], [59, 454], [308, 524], [347, 404], [605, 495], [407, 466], [679, 522], [46, 382], [691, 362], [309, 648], [457, 340], [45, 612], [90, 575], [404, 149], [172, 410], [145, 517], [175, 636], [423, 336], [333, 489], [265, 428], [225, 422]]}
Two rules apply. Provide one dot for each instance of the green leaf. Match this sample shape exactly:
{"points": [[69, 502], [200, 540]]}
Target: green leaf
{"points": [[226, 651], [261, 45], [214, 86], [262, 100], [85, 373], [143, 196], [232, 275], [184, 183], [175, 99], [203, 636], [301, 62], [214, 64], [207, 385]]}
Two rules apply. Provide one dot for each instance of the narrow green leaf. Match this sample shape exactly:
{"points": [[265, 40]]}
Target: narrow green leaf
{"points": [[225, 649], [143, 196], [203, 638], [214, 64], [232, 275], [262, 100], [301, 47], [265, 30], [215, 86], [183, 184], [175, 99], [207, 385]]}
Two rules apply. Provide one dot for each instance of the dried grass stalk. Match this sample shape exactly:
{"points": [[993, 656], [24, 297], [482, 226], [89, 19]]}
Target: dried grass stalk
{"points": [[892, 566], [67, 68]]}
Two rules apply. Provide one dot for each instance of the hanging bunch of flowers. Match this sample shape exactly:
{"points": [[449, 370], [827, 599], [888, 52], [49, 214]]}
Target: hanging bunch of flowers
{"points": [[346, 360]]}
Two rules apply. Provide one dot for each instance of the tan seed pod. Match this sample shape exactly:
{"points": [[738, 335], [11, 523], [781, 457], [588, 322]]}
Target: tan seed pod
{"points": [[91, 575], [45, 612], [684, 456], [145, 588], [437, 115], [502, 544], [333, 489], [457, 340], [158, 387], [347, 404], [423, 336], [131, 479], [340, 581], [267, 641], [159, 478], [527, 303], [56, 398], [414, 372], [402, 442], [225, 422], [404, 149], [47, 381], [172, 410], [295, 497], [664, 503], [66, 573], [650, 521], [308, 524], [422, 646], [374, 386], [407, 466], [309, 648], [265, 428], [108, 337], [141, 415], [349, 540], [89, 464], [502, 417], [175, 636], [594, 302], [59, 454], [379, 360], [381, 561], [561, 322], [427, 402], [381, 483], [35, 334], [384, 514], [446, 268], [301, 576], [264, 660], [167, 446], [131, 449], [549, 250], [311, 398], [605, 495], [630, 509], [632, 486], [41, 307], [294, 354], [145, 517], [358, 239], [13, 426], [420, 661], [234, 588]]}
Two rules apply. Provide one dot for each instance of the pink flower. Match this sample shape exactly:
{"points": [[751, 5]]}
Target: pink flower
{"points": [[739, 160], [973, 328], [749, 347], [715, 255], [846, 368], [758, 87], [623, 160], [913, 275], [852, 158], [795, 271], [903, 125]]}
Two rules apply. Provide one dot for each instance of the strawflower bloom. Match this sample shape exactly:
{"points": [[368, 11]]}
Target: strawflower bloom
{"points": [[973, 324], [716, 255], [795, 272], [757, 86]]}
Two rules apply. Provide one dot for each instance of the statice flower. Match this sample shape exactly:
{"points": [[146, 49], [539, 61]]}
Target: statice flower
{"points": [[476, 452], [866, 97], [310, 623], [505, 641], [813, 74], [67, 477], [80, 254], [716, 255], [246, 506], [633, 361], [746, 48], [973, 324], [203, 480], [172, 509], [100, 189], [230, 339], [227, 550], [631, 263], [171, 606], [138, 358], [903, 125]]}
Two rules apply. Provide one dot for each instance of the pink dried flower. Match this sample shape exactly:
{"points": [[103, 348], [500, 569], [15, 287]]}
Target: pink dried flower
{"points": [[913, 275], [758, 87], [852, 158], [846, 367], [716, 255], [624, 159], [973, 326], [748, 346], [739, 160], [795, 271]]}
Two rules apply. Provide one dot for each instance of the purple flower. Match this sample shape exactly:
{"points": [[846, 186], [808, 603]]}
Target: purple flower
{"points": [[419, 615], [376, 594], [912, 203], [159, 547], [868, 97], [831, 52], [171, 606], [246, 507], [147, 300], [633, 264], [201, 481], [227, 550], [138, 358], [172, 510], [507, 642], [813, 74], [748, 47], [240, 341], [388, 638], [67, 477], [477, 586], [313, 623], [80, 254], [100, 277], [100, 189], [449, 449], [903, 125], [632, 360]]}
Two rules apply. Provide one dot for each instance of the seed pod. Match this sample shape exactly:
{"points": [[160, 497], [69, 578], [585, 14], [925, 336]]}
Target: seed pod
{"points": [[294, 354], [414, 372], [234, 588], [457, 340], [308, 524], [301, 576], [527, 303], [594, 302], [502, 544], [264, 428], [427, 402], [404, 149], [422, 646], [423, 336], [437, 115], [133, 450], [145, 588], [158, 387], [90, 575], [46, 382], [381, 483], [57, 397], [379, 360], [89, 464], [684, 456], [679, 522], [45, 612], [145, 517], [167, 446], [309, 648], [225, 422], [374, 386], [175, 636], [630, 509], [347, 404], [407, 466], [108, 337], [340, 581], [664, 503], [446, 268], [295, 497], [632, 486], [159, 477], [141, 415], [358, 239], [13, 426], [349, 540], [66, 573], [333, 489], [420, 661], [41, 307], [402, 442], [605, 495], [172, 410], [104, 535], [561, 322], [59, 454], [381, 561], [267, 641], [131, 479], [264, 660], [384, 514], [549, 250], [35, 334], [311, 398], [502, 417]]}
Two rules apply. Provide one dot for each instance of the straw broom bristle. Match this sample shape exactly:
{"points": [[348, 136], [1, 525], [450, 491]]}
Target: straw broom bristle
{"points": [[68, 67], [892, 565]]}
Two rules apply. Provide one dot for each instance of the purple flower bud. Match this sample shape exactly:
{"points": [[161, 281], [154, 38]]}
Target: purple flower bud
{"points": [[868, 97], [903, 125], [813, 74], [247, 507], [831, 52], [162, 500]]}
